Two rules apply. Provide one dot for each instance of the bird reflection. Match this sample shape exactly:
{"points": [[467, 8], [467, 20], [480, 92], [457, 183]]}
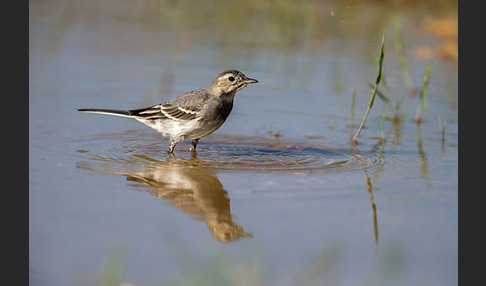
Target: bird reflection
{"points": [[195, 191]]}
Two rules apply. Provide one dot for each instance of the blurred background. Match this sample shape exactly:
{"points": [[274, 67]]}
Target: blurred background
{"points": [[279, 195]]}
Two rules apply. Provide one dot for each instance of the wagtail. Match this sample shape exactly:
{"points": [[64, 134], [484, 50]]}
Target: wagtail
{"points": [[194, 114]]}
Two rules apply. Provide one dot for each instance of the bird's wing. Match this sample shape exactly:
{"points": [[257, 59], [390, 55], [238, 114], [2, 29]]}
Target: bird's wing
{"points": [[176, 111], [184, 107], [152, 112]]}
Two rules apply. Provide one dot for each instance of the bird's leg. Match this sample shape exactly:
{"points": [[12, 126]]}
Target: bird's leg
{"points": [[171, 147], [173, 143], [194, 144]]}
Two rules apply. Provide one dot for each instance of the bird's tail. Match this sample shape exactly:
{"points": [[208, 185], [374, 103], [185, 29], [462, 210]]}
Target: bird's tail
{"points": [[116, 112]]}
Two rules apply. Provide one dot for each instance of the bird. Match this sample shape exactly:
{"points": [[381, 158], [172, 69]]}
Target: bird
{"points": [[192, 115]]}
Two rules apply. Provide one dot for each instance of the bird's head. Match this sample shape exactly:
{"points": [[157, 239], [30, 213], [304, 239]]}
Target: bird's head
{"points": [[230, 81]]}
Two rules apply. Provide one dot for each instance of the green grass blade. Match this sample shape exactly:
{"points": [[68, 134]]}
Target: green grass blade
{"points": [[423, 98], [401, 55], [373, 92]]}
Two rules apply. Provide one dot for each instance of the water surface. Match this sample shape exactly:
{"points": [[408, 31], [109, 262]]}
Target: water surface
{"points": [[278, 195]]}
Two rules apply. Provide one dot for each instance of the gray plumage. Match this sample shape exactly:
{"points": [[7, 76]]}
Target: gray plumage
{"points": [[194, 114]]}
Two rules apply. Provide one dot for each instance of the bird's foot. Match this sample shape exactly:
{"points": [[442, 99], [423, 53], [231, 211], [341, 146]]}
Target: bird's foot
{"points": [[171, 148], [194, 145]]}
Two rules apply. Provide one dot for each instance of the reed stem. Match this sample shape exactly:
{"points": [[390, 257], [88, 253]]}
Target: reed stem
{"points": [[353, 99], [373, 91], [401, 55], [423, 98]]}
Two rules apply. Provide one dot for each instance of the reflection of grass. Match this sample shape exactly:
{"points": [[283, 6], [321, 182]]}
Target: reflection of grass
{"points": [[271, 133], [423, 158], [442, 128]]}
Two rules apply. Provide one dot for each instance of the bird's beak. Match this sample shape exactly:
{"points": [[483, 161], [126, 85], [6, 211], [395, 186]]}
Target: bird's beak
{"points": [[250, 80]]}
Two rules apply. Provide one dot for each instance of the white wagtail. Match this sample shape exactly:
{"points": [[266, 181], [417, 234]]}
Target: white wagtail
{"points": [[194, 114]]}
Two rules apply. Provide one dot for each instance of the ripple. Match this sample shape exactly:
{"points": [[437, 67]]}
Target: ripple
{"points": [[243, 153], [268, 154]]}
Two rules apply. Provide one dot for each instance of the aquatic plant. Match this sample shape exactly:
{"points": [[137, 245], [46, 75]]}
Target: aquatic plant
{"points": [[373, 91], [402, 58], [423, 98], [351, 112]]}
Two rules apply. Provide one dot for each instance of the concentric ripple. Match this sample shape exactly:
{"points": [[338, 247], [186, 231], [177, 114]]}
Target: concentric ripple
{"points": [[243, 153], [252, 153]]}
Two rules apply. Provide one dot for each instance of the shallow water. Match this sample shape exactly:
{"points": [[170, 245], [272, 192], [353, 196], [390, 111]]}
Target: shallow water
{"points": [[278, 195]]}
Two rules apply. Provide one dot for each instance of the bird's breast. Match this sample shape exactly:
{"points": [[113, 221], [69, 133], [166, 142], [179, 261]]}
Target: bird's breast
{"points": [[224, 109]]}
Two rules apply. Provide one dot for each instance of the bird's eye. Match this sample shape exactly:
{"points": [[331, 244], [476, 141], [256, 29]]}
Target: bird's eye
{"points": [[231, 78]]}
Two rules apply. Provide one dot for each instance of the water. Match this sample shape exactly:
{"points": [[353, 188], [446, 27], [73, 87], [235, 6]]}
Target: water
{"points": [[278, 195]]}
